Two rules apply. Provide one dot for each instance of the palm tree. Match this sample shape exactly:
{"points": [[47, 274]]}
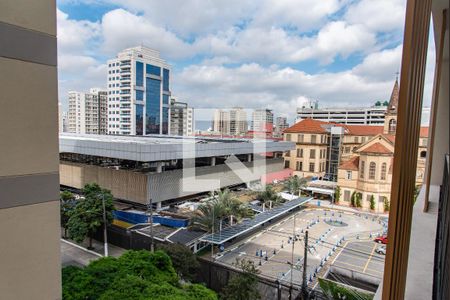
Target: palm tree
{"points": [[233, 208], [210, 216], [295, 184], [270, 196], [207, 215]]}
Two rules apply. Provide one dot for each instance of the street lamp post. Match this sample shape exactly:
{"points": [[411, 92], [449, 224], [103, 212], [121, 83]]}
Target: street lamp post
{"points": [[105, 226], [150, 206]]}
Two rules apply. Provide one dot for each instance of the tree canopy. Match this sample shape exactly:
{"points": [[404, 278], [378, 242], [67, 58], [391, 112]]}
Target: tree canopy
{"points": [[223, 208], [269, 195], [136, 275], [294, 184], [87, 214], [243, 286], [183, 260]]}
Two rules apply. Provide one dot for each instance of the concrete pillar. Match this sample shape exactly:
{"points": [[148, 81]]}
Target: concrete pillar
{"points": [[249, 157], [159, 167], [158, 205], [213, 161]]}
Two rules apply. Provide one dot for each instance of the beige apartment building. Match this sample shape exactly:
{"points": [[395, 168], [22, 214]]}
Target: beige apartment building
{"points": [[365, 155], [30, 264]]}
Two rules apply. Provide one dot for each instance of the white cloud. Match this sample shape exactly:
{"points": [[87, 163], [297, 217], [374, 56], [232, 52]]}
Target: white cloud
{"points": [[301, 15], [75, 36], [380, 65], [122, 29], [378, 15], [281, 89]]}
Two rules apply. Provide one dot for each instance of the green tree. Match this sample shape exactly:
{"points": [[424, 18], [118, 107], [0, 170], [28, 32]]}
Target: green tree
{"points": [[294, 184], [337, 194], [378, 103], [372, 202], [353, 199], [358, 199], [137, 275], [269, 196], [385, 103], [183, 260], [387, 204], [233, 209], [87, 215], [222, 207], [66, 205], [243, 286]]}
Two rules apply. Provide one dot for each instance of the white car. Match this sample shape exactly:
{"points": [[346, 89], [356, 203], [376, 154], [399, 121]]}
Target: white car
{"points": [[381, 250]]}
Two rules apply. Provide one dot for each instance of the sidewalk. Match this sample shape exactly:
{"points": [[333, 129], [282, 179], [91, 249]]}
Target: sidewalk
{"points": [[327, 204], [76, 255]]}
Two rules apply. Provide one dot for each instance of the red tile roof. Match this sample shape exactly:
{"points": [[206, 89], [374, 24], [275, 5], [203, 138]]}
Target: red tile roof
{"points": [[351, 164], [364, 129], [390, 137], [308, 125], [423, 131], [377, 148]]}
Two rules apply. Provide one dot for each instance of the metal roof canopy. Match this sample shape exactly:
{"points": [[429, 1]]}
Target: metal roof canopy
{"points": [[320, 191], [160, 148], [246, 226]]}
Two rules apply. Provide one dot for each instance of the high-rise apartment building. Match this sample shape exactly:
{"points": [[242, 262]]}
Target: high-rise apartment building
{"points": [[181, 118], [280, 125], [238, 121], [62, 119], [30, 263], [138, 93], [88, 112], [262, 121], [230, 122]]}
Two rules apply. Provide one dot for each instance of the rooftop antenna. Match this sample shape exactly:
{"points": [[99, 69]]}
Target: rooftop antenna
{"points": [[396, 75]]}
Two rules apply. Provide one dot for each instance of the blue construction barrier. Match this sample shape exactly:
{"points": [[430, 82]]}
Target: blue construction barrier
{"points": [[136, 218]]}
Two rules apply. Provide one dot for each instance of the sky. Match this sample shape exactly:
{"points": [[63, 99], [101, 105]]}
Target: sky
{"points": [[276, 54]]}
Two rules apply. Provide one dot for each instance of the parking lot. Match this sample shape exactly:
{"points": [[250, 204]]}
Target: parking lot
{"points": [[272, 249], [354, 257]]}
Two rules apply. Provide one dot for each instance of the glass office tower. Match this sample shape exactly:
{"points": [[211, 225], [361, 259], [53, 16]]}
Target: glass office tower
{"points": [[138, 93]]}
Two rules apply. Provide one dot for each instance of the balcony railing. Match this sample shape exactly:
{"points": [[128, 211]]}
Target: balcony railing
{"points": [[441, 278]]}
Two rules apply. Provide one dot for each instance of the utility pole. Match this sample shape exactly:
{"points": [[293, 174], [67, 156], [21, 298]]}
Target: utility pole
{"points": [[305, 258], [292, 259], [150, 207], [212, 231], [105, 226]]}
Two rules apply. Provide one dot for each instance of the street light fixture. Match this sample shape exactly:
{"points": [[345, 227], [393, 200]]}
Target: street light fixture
{"points": [[105, 226]]}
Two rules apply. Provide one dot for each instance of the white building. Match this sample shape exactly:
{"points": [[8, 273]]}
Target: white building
{"points": [[280, 125], [62, 119], [138, 93], [352, 115], [262, 121], [181, 118], [87, 112], [230, 122]]}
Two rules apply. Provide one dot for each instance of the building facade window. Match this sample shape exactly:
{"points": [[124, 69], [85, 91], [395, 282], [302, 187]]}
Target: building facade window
{"points": [[356, 140], [288, 137], [286, 164], [300, 138], [347, 195], [349, 174], [311, 167], [361, 169], [313, 139], [299, 166], [372, 170], [300, 152], [383, 171], [392, 125], [423, 154], [312, 153]]}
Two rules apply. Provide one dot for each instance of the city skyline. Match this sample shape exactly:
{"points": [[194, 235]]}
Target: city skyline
{"points": [[227, 61]]}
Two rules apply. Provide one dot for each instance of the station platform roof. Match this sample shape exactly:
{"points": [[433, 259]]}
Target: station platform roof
{"points": [[162, 147], [246, 226]]}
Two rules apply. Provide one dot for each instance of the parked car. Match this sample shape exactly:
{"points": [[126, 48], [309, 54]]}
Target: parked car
{"points": [[381, 250], [381, 240]]}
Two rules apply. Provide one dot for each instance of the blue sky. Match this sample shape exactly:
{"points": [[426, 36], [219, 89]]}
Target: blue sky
{"points": [[275, 54]]}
